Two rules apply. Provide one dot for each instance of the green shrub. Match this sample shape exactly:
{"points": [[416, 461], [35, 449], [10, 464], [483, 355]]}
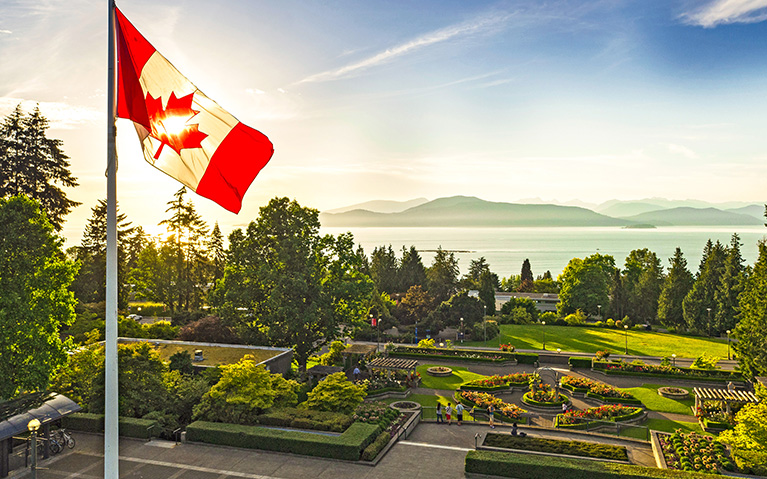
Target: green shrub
{"points": [[579, 362], [334, 355], [128, 426], [509, 464], [572, 448], [426, 343], [305, 419], [576, 319], [335, 393], [376, 446], [347, 446]]}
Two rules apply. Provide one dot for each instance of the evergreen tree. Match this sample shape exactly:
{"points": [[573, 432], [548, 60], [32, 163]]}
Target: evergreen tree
{"points": [[442, 275], [411, 269], [676, 286], [190, 260], [526, 285], [487, 292], [618, 296], [751, 330], [217, 253], [730, 286], [33, 165], [643, 281], [90, 284], [383, 269], [699, 305]]}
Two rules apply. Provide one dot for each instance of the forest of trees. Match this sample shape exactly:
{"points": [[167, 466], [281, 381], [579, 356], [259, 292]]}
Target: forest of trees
{"points": [[279, 282]]}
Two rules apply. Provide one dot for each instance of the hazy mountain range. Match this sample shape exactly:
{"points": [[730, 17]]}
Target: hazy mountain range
{"points": [[472, 211]]}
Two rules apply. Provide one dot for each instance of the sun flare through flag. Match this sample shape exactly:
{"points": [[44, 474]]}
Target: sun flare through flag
{"points": [[184, 133]]}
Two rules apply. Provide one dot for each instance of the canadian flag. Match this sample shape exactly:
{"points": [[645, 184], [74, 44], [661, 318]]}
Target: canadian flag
{"points": [[184, 133]]}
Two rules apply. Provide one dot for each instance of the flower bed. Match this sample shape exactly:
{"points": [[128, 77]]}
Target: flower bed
{"points": [[608, 412], [598, 390], [674, 393], [543, 395], [497, 383], [694, 453], [620, 367], [712, 417], [508, 412]]}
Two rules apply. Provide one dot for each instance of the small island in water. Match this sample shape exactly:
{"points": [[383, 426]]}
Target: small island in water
{"points": [[639, 226]]}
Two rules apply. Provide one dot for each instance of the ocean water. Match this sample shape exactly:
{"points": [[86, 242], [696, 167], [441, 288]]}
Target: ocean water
{"points": [[552, 248]]}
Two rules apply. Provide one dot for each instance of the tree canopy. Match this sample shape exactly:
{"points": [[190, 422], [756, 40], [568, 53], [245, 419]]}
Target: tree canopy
{"points": [[35, 301]]}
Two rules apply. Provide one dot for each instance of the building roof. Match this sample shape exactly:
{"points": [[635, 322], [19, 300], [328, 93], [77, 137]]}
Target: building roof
{"points": [[320, 370], [45, 407]]}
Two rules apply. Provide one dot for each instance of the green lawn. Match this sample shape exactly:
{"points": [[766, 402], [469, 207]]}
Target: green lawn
{"points": [[592, 339], [648, 394], [671, 426], [460, 375]]}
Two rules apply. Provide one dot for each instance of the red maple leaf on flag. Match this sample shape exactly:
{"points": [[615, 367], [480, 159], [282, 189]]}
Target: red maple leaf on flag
{"points": [[169, 125]]}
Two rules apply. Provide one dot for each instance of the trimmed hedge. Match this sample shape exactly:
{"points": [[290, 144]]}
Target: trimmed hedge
{"points": [[528, 400], [305, 419], [579, 362], [573, 388], [716, 424], [376, 446], [526, 358], [517, 465], [684, 373], [128, 426], [572, 448], [348, 446]]}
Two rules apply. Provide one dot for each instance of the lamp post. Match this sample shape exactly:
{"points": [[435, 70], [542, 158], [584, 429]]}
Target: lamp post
{"points": [[709, 321], [416, 332], [461, 330], [544, 334], [33, 426], [484, 322], [728, 344], [626, 327], [673, 359], [599, 308]]}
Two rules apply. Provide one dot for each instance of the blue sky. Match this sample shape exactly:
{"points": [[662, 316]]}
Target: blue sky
{"points": [[395, 100]]}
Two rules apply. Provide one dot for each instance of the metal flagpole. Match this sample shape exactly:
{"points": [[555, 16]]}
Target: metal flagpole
{"points": [[111, 435]]}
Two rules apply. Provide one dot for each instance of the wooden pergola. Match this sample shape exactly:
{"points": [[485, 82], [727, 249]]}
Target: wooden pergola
{"points": [[726, 397], [394, 364]]}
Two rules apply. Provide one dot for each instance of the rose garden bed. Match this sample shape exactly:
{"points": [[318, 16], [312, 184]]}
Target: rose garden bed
{"points": [[505, 411], [608, 412]]}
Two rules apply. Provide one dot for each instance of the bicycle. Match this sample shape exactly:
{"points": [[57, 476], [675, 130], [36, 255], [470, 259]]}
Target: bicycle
{"points": [[64, 438]]}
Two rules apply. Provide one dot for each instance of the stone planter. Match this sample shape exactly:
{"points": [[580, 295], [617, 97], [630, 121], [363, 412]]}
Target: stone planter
{"points": [[674, 393], [405, 406], [439, 371]]}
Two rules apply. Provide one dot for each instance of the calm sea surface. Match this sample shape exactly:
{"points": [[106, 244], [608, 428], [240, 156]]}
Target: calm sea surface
{"points": [[551, 248]]}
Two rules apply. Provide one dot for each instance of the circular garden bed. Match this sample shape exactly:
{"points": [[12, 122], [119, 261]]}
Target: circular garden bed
{"points": [[439, 371], [673, 393], [405, 406], [528, 399]]}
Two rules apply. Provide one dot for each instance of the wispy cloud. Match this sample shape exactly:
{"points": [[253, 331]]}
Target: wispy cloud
{"points": [[62, 116], [5, 32], [720, 12], [682, 150], [477, 25]]}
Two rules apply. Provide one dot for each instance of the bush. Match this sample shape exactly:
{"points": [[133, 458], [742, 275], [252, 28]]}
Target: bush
{"points": [[347, 446], [334, 355], [576, 319], [209, 329], [579, 362], [426, 343], [548, 316], [705, 362], [610, 323], [305, 419], [489, 327], [128, 426], [376, 446], [509, 464], [335, 393]]}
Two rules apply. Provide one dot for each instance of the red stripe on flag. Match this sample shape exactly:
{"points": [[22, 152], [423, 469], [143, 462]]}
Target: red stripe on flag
{"points": [[234, 166], [133, 51]]}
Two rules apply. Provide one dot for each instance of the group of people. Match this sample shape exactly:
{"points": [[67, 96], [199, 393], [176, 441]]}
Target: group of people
{"points": [[459, 409]]}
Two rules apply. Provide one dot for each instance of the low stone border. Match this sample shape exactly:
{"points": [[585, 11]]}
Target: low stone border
{"points": [[389, 394], [439, 371], [667, 392]]}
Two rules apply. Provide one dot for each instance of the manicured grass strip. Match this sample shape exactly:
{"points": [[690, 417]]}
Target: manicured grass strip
{"points": [[667, 425], [593, 339], [460, 375], [648, 394], [529, 466], [572, 448]]}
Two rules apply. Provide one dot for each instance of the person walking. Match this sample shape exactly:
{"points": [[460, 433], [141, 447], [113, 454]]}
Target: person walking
{"points": [[459, 413], [490, 415], [439, 412], [448, 412]]}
